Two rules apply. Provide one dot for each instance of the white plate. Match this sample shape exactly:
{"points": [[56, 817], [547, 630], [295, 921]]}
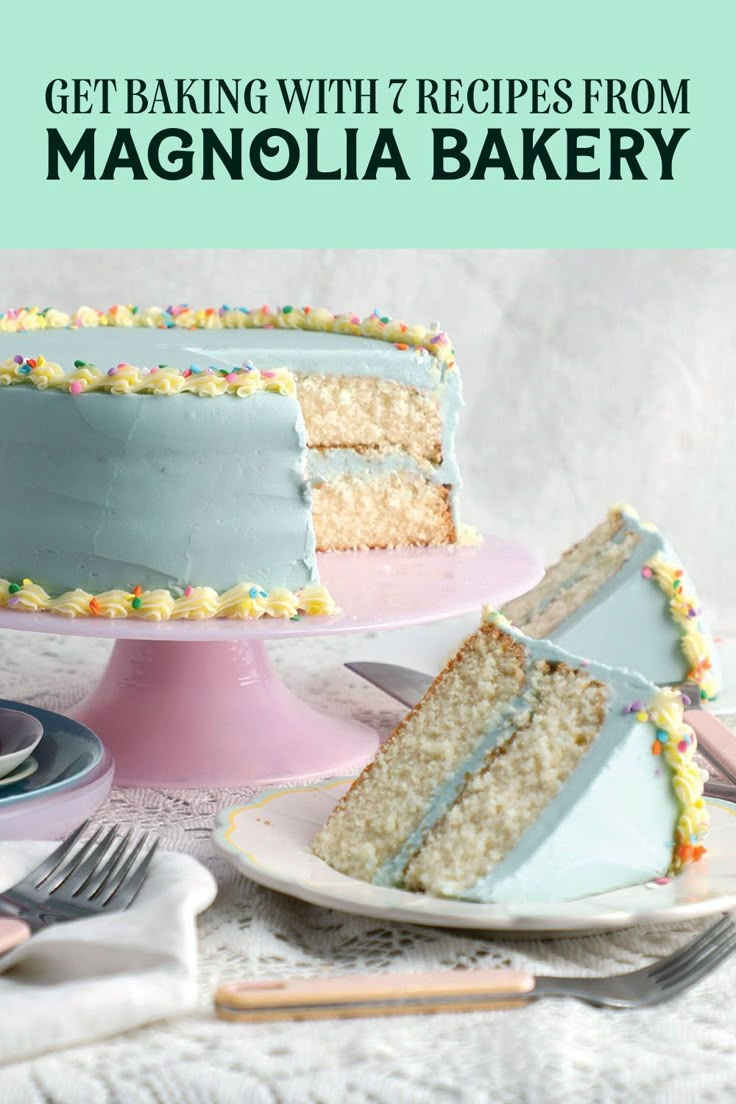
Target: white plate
{"points": [[268, 840]]}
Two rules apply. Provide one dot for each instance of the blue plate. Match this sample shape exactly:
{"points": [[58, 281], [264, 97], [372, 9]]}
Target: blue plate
{"points": [[67, 753]]}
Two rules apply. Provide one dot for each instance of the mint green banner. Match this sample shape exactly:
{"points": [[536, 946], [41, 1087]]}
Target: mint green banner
{"points": [[391, 124]]}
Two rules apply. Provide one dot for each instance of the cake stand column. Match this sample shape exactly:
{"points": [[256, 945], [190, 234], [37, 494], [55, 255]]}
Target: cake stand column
{"points": [[213, 713]]}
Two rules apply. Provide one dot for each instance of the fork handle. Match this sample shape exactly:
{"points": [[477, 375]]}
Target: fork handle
{"points": [[13, 932], [380, 995]]}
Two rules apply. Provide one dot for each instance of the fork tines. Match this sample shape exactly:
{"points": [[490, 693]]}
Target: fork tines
{"points": [[106, 870], [686, 966]]}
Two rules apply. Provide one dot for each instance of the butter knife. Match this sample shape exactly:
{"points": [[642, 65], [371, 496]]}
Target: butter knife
{"points": [[716, 742]]}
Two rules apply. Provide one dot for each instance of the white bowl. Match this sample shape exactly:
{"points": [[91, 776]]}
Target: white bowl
{"points": [[19, 735]]}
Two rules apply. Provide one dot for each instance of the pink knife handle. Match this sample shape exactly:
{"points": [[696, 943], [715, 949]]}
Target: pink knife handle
{"points": [[13, 932], [715, 740]]}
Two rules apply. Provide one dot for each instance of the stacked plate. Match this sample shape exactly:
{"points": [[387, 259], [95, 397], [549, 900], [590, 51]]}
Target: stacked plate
{"points": [[54, 772]]}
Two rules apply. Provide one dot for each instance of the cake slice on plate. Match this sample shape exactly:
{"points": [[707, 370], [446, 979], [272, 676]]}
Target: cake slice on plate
{"points": [[525, 774], [622, 596]]}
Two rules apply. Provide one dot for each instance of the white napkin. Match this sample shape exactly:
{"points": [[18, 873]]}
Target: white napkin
{"points": [[84, 979]]}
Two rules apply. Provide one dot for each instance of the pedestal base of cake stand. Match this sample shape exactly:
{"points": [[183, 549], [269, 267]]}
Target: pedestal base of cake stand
{"points": [[197, 703], [206, 713]]}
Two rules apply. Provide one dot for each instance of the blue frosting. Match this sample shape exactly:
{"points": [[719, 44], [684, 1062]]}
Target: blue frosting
{"points": [[612, 825], [109, 492], [326, 464]]}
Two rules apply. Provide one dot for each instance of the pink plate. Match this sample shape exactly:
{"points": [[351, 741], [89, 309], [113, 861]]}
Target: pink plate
{"points": [[55, 815], [175, 713]]}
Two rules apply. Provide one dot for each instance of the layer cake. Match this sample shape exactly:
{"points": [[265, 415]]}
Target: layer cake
{"points": [[125, 491]]}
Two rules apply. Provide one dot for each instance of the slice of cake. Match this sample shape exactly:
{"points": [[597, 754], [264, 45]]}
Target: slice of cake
{"points": [[380, 399], [622, 596], [525, 774]]}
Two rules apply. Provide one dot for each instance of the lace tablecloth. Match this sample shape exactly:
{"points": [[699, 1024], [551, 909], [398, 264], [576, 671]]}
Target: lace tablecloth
{"points": [[550, 1051]]}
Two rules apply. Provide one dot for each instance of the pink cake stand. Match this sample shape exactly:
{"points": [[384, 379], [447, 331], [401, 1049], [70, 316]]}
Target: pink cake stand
{"points": [[198, 703]]}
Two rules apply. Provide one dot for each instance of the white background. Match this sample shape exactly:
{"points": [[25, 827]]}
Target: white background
{"points": [[591, 377]]}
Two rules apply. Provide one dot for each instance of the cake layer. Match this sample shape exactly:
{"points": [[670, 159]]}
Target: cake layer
{"points": [[384, 511], [377, 499], [525, 774], [340, 412], [108, 491], [622, 596]]}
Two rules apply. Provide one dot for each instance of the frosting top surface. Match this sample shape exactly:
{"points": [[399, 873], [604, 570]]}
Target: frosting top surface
{"points": [[300, 351], [376, 345]]}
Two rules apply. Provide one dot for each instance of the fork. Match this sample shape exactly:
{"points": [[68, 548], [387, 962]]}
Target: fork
{"points": [[470, 990], [104, 874]]}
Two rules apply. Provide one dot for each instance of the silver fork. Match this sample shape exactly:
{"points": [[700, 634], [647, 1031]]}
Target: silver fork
{"points": [[655, 983], [104, 874]]}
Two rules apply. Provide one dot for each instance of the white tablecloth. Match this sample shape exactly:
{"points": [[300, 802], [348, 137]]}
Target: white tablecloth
{"points": [[553, 1051]]}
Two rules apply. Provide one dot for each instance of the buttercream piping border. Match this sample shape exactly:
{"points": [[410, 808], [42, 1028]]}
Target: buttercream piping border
{"points": [[125, 379], [676, 743], [685, 612], [376, 325], [244, 602]]}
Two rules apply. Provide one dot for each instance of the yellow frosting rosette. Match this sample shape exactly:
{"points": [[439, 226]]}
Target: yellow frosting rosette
{"points": [[244, 602], [123, 379], [206, 384], [113, 604], [121, 315], [165, 381], [56, 319], [282, 602], [316, 601], [29, 598], [152, 605], [196, 604], [74, 603]]}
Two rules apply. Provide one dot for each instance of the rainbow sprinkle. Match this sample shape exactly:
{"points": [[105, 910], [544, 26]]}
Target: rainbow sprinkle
{"points": [[675, 742]]}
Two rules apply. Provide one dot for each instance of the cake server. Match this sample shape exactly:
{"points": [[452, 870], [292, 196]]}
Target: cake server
{"points": [[471, 990], [716, 742], [401, 683]]}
